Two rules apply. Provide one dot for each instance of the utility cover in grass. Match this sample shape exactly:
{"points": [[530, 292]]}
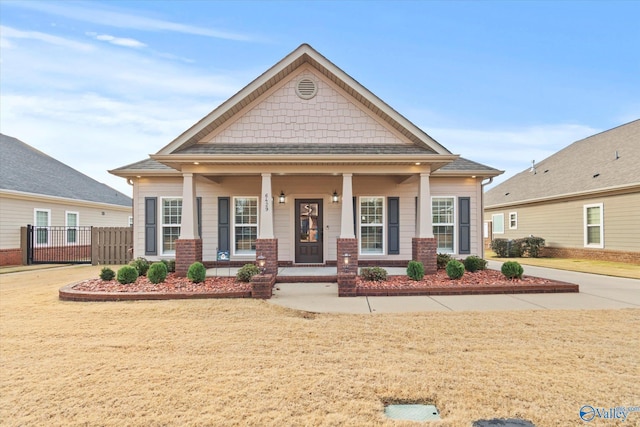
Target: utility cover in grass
{"points": [[503, 422], [412, 412]]}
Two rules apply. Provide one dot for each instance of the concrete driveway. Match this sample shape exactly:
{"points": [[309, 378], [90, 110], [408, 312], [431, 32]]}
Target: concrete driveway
{"points": [[596, 292]]}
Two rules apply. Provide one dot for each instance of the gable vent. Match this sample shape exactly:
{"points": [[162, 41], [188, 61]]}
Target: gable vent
{"points": [[306, 89]]}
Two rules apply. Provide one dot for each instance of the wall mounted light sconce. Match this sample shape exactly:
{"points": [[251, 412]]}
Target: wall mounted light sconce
{"points": [[281, 198], [345, 262], [334, 197], [261, 263]]}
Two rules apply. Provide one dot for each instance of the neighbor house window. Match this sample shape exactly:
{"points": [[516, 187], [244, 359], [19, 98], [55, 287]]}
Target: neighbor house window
{"points": [[42, 221], [72, 227], [245, 224], [498, 223], [443, 221], [371, 225], [593, 225], [171, 220], [513, 221]]}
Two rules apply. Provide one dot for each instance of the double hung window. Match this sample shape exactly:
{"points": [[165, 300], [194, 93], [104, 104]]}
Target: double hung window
{"points": [[372, 225], [498, 223], [593, 225], [72, 227], [443, 221], [171, 220], [42, 221], [245, 224]]}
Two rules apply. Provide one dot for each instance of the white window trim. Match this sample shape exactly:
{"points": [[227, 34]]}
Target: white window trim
{"points": [[584, 215], [35, 224], [515, 214], [233, 222], [383, 225], [493, 223], [454, 224], [130, 222], [69, 227], [162, 224]]}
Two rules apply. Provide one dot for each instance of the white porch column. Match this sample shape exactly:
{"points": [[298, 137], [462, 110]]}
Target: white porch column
{"points": [[189, 225], [266, 214], [346, 221], [425, 225]]}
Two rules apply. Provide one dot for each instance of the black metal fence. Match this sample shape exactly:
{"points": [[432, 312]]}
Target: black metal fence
{"points": [[58, 245]]}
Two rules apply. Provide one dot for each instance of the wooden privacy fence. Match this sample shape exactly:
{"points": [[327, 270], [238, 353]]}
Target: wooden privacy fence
{"points": [[111, 245]]}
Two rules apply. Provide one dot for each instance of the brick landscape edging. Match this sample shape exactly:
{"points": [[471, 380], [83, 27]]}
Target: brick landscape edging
{"points": [[550, 288], [67, 293]]}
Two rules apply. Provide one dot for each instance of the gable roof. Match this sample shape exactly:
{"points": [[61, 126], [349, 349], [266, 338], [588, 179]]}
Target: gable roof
{"points": [[304, 54], [607, 161], [27, 170]]}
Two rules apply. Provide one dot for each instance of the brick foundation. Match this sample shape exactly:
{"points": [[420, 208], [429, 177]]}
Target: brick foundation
{"points": [[188, 251], [268, 248], [425, 250], [10, 257], [594, 254], [262, 285]]}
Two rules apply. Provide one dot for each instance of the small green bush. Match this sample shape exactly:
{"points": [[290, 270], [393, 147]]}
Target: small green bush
{"points": [[415, 270], [455, 269], [473, 263], [374, 274], [512, 270], [197, 272], [246, 272], [107, 274], [127, 274], [443, 260], [506, 248], [140, 264], [531, 246], [157, 272], [170, 264]]}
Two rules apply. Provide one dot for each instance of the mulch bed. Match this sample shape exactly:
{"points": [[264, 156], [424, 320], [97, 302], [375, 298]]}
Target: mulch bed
{"points": [[480, 282]]}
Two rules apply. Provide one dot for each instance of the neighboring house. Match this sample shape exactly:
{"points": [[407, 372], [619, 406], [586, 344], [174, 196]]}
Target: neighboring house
{"points": [[584, 200], [38, 190], [303, 166]]}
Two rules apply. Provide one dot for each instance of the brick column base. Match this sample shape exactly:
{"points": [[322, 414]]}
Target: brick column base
{"points": [[347, 273], [262, 285], [425, 250], [268, 248], [188, 251]]}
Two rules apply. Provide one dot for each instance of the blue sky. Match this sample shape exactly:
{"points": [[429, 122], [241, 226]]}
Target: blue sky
{"points": [[98, 85]]}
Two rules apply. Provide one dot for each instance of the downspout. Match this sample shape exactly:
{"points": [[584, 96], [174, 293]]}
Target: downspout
{"points": [[482, 185]]}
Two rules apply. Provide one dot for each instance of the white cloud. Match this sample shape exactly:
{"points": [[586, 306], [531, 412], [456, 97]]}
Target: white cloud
{"points": [[97, 14], [7, 33], [118, 41]]}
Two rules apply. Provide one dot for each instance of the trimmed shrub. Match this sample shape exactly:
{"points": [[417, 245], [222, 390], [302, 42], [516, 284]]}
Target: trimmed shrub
{"points": [[127, 274], [246, 272], [531, 246], [170, 264], [512, 270], [473, 263], [505, 248], [107, 274], [415, 270], [455, 269], [197, 272], [140, 264], [443, 260], [157, 272], [374, 274]]}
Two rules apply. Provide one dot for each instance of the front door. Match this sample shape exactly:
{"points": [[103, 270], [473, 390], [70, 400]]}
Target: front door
{"points": [[309, 231]]}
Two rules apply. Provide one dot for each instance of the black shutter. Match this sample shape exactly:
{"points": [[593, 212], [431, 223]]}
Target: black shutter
{"points": [[393, 214], [150, 228], [199, 214], [224, 225], [464, 204]]}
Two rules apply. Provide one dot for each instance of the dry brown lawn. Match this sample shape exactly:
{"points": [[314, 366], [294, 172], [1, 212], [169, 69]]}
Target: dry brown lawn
{"points": [[247, 362]]}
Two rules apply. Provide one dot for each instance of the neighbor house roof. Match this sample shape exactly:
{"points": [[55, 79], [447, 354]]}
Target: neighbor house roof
{"points": [[605, 162], [27, 170]]}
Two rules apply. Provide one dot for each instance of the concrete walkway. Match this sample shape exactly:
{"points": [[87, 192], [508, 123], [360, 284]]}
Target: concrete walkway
{"points": [[596, 292]]}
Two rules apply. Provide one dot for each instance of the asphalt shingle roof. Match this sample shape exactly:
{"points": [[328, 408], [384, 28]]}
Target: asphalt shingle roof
{"points": [[605, 160], [25, 169]]}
